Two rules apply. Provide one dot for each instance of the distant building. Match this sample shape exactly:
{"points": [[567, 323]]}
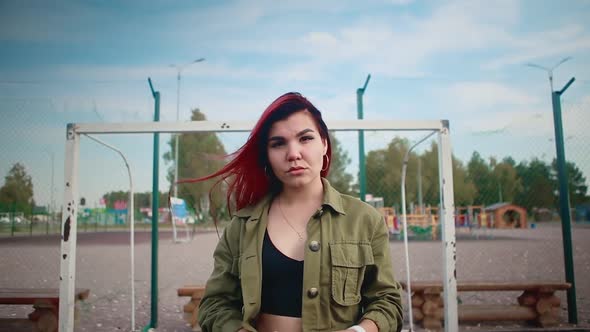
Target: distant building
{"points": [[506, 215], [376, 202], [582, 212]]}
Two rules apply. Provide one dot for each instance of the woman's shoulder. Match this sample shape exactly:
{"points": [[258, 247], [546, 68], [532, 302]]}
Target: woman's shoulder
{"points": [[347, 205], [354, 206]]}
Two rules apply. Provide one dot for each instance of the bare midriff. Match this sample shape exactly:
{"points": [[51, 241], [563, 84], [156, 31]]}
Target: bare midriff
{"points": [[273, 323]]}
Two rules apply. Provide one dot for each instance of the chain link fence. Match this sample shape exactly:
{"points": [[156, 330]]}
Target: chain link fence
{"points": [[507, 221]]}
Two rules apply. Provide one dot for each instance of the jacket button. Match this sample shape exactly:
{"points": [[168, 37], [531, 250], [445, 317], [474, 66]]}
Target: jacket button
{"points": [[312, 292], [314, 245]]}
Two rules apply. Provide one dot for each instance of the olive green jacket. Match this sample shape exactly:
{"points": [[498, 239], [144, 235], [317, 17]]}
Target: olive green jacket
{"points": [[347, 273]]}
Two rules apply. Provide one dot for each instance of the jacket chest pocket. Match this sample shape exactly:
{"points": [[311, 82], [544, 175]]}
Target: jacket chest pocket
{"points": [[349, 262]]}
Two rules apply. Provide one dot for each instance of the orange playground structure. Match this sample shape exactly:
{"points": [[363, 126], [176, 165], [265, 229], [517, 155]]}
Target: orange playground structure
{"points": [[500, 215]]}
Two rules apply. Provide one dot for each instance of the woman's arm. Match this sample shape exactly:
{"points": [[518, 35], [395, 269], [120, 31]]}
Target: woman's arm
{"points": [[381, 293], [221, 306]]}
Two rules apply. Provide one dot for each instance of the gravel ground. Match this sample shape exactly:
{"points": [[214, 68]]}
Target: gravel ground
{"points": [[103, 262]]}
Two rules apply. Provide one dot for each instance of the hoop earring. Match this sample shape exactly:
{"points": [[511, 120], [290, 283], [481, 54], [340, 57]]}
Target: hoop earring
{"points": [[327, 162]]}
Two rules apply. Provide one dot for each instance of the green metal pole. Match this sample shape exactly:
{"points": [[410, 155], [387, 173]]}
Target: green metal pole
{"points": [[155, 217], [362, 164], [564, 205]]}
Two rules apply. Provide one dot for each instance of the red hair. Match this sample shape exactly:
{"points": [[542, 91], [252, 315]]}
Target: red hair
{"points": [[248, 174]]}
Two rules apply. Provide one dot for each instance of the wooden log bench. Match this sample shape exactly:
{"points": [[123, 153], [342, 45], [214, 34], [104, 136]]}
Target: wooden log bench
{"points": [[45, 302], [191, 309], [537, 304]]}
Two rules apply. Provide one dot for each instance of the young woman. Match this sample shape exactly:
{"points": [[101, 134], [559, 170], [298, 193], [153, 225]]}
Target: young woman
{"points": [[298, 255]]}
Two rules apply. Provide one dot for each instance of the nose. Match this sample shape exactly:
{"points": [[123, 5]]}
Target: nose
{"points": [[293, 152]]}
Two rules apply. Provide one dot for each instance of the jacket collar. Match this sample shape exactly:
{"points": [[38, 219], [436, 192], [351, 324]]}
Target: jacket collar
{"points": [[332, 199]]}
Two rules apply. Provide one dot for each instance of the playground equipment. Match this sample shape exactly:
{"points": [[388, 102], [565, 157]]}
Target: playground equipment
{"points": [[390, 219], [424, 221], [420, 224], [471, 216], [506, 215], [179, 218]]}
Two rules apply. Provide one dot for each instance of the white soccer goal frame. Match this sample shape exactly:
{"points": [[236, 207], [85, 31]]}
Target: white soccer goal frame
{"points": [[67, 278]]}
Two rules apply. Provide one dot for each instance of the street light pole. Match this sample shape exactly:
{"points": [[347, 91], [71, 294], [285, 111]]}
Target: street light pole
{"points": [[50, 208], [179, 69], [550, 70], [564, 201]]}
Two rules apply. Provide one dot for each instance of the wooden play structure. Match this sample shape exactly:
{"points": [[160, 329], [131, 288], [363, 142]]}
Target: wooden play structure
{"points": [[424, 220], [507, 215], [424, 223], [471, 216], [391, 220]]}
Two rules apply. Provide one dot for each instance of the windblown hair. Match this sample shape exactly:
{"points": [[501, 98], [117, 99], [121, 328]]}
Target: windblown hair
{"points": [[248, 174]]}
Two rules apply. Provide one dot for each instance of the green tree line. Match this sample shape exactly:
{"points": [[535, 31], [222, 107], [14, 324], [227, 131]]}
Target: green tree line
{"points": [[530, 183], [16, 195]]}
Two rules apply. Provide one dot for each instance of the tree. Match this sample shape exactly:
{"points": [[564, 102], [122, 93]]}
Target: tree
{"points": [[507, 180], [338, 177], [480, 174], [576, 180], [384, 172], [538, 185], [17, 191], [201, 154], [463, 187], [384, 169]]}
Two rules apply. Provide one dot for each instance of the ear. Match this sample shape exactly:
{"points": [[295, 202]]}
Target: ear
{"points": [[325, 143]]}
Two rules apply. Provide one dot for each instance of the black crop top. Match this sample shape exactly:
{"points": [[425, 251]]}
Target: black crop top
{"points": [[282, 281]]}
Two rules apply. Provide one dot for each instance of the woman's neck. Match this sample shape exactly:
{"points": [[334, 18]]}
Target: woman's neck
{"points": [[313, 193]]}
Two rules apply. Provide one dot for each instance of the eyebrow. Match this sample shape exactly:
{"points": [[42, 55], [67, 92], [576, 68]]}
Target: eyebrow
{"points": [[299, 134]]}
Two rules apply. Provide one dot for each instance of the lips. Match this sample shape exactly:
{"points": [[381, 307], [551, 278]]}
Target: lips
{"points": [[295, 169]]}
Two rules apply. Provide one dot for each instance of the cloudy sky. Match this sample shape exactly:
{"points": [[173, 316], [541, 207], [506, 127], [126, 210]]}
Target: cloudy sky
{"points": [[465, 61]]}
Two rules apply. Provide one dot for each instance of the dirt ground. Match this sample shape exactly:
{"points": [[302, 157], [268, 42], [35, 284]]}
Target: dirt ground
{"points": [[103, 265]]}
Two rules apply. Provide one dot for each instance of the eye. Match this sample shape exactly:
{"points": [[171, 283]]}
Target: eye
{"points": [[307, 138], [276, 144]]}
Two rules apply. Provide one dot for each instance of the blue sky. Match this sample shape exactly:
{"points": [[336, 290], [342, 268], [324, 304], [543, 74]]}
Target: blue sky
{"points": [[88, 61]]}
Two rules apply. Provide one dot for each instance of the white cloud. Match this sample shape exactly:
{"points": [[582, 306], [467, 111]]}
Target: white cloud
{"points": [[19, 21], [576, 118], [399, 45], [478, 96], [516, 123], [339, 106], [492, 108], [551, 43]]}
